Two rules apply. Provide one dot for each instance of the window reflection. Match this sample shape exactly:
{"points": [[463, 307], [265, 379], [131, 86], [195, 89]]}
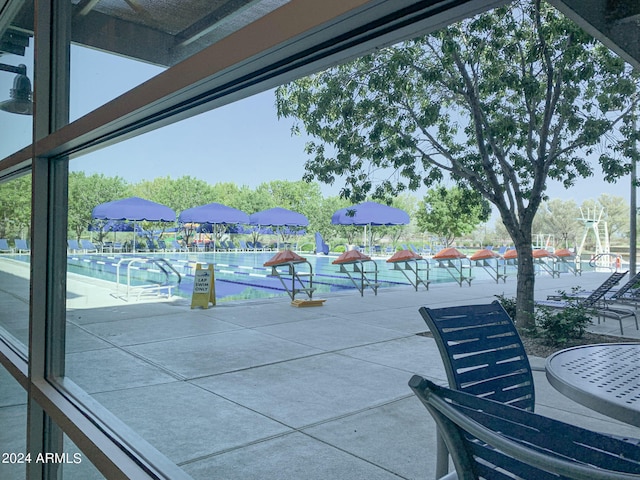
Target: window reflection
{"points": [[15, 215]]}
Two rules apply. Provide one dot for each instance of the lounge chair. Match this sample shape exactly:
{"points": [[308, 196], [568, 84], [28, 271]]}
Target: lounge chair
{"points": [[4, 246], [321, 246], [178, 247], [22, 246], [73, 246], [162, 246], [483, 355], [88, 246], [489, 440], [595, 301], [625, 294]]}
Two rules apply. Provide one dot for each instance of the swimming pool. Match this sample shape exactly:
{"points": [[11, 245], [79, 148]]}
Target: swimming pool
{"points": [[240, 275]]}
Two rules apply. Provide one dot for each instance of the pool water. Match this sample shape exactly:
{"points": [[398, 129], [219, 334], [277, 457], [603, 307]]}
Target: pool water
{"points": [[240, 275]]}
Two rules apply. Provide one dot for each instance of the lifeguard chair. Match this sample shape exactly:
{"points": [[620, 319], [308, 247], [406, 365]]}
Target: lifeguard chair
{"points": [[492, 263], [292, 270], [361, 270], [455, 263], [414, 267]]}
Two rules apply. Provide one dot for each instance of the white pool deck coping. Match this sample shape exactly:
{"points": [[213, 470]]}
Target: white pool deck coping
{"points": [[264, 390]]}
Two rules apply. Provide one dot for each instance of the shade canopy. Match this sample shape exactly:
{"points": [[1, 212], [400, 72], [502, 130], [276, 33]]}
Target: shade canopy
{"points": [[213, 213], [135, 209], [278, 217], [370, 213]]}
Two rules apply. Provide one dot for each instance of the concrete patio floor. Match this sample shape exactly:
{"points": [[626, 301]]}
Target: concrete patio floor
{"points": [[263, 390]]}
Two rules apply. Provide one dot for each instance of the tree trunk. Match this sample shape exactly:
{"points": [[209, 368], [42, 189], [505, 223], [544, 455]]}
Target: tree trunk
{"points": [[525, 286]]}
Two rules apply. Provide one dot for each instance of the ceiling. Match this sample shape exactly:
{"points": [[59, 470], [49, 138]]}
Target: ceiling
{"points": [[165, 32], [162, 32]]}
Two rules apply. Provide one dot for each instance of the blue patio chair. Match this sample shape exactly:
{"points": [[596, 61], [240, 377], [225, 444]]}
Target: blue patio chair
{"points": [[482, 354], [162, 246], [321, 246], [259, 246], [88, 246], [491, 440], [4, 246], [73, 246], [177, 246], [21, 245]]}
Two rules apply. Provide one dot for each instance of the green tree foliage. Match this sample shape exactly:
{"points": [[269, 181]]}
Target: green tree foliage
{"points": [[501, 103], [452, 212], [560, 218], [86, 192], [15, 208]]}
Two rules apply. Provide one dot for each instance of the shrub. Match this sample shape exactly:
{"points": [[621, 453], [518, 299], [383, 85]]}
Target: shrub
{"points": [[559, 326], [556, 327]]}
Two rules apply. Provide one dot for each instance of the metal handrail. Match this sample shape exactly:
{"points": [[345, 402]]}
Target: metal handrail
{"points": [[161, 263]]}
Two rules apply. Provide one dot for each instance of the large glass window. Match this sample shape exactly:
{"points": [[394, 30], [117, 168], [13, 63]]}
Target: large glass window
{"points": [[16, 80], [15, 215], [134, 354], [151, 37]]}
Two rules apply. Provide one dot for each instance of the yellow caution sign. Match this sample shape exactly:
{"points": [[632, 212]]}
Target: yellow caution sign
{"points": [[204, 287]]}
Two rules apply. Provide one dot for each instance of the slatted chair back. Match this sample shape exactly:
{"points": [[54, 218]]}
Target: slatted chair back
{"points": [[630, 286], [600, 292], [482, 352], [491, 440]]}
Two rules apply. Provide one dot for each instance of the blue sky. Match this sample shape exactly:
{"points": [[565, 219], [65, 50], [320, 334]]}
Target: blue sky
{"points": [[243, 142]]}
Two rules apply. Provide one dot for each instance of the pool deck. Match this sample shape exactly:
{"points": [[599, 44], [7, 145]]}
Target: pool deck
{"points": [[264, 390]]}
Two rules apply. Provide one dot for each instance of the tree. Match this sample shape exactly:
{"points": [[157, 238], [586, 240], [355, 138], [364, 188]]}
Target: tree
{"points": [[560, 218], [15, 207], [500, 103], [452, 212], [86, 192]]}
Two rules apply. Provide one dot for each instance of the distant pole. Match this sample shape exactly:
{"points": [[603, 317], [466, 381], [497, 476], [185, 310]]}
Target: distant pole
{"points": [[633, 204]]}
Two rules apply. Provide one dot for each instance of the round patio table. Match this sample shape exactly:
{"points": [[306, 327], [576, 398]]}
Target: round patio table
{"points": [[603, 377]]}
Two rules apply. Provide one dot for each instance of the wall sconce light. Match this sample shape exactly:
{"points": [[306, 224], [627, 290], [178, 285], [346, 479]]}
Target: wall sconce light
{"points": [[20, 101]]}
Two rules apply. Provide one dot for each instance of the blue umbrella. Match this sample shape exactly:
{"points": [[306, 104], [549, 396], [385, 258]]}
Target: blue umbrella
{"points": [[278, 217], [213, 213], [134, 209], [281, 218], [370, 214]]}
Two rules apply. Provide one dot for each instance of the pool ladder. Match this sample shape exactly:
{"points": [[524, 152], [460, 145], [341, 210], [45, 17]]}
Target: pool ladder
{"points": [[133, 263]]}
